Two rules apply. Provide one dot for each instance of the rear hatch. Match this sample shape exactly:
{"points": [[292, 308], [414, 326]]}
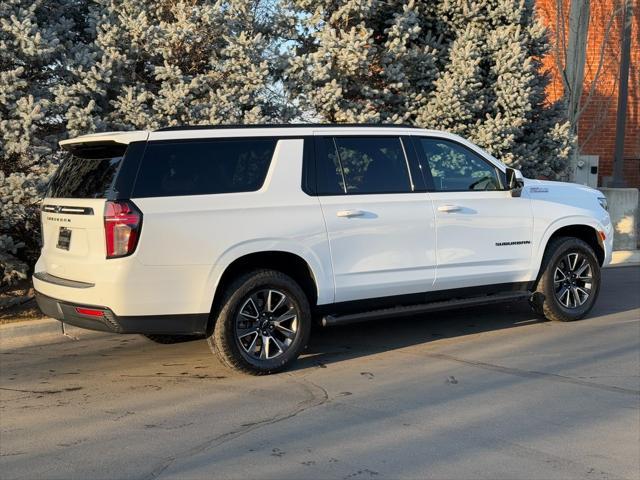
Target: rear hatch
{"points": [[72, 214]]}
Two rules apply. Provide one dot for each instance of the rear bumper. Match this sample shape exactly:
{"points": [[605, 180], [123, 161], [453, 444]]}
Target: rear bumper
{"points": [[185, 324], [128, 287]]}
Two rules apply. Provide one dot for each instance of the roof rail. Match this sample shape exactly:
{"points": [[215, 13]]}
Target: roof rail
{"points": [[282, 125]]}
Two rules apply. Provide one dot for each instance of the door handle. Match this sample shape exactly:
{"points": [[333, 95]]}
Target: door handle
{"points": [[449, 208], [349, 213]]}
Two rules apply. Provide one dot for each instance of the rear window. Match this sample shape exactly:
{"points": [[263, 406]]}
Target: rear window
{"points": [[203, 167], [87, 172]]}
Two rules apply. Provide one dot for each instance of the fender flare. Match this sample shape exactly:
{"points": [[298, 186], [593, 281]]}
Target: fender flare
{"points": [[322, 277], [552, 228]]}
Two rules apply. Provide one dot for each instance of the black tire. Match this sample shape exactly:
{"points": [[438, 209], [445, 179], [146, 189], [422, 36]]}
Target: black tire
{"points": [[169, 339], [225, 342], [551, 298]]}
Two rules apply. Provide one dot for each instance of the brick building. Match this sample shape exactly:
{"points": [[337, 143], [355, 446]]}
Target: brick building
{"points": [[597, 124]]}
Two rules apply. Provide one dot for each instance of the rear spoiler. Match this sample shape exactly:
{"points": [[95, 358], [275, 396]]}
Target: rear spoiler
{"points": [[107, 138], [96, 150]]}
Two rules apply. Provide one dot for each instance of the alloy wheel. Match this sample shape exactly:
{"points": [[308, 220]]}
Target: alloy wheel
{"points": [[266, 324], [573, 280]]}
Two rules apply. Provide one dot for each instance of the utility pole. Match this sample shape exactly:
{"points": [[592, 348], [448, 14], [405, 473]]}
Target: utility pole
{"points": [[575, 56], [623, 93]]}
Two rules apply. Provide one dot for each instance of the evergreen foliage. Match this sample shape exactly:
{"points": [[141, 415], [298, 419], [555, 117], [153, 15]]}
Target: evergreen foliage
{"points": [[71, 67], [362, 61], [31, 60], [471, 67], [163, 62]]}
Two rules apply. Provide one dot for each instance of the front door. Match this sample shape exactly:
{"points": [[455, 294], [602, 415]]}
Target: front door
{"points": [[380, 222], [483, 233]]}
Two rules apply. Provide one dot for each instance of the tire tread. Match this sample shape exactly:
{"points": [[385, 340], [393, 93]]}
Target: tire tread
{"points": [[549, 309], [222, 341]]}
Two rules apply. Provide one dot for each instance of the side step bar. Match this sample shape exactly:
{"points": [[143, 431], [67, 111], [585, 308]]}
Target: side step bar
{"points": [[402, 311]]}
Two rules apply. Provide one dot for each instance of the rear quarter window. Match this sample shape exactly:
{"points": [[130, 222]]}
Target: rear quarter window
{"points": [[203, 167]]}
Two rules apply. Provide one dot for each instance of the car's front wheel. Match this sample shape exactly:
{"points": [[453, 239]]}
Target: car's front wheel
{"points": [[263, 323], [569, 282]]}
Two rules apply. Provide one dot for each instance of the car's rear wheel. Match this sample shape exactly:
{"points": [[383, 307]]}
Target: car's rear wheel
{"points": [[569, 282], [263, 323]]}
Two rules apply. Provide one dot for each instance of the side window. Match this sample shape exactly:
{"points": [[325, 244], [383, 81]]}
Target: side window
{"points": [[203, 167], [456, 168], [330, 178], [362, 165]]}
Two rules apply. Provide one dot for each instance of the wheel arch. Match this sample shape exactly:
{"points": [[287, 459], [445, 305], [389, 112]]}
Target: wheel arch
{"points": [[586, 232], [289, 263]]}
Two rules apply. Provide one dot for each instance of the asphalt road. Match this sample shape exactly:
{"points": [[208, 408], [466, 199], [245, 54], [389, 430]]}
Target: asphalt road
{"points": [[488, 392]]}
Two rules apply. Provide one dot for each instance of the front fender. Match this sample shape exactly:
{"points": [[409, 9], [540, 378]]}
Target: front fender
{"points": [[568, 221]]}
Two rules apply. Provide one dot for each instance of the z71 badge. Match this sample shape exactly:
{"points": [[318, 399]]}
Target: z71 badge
{"points": [[538, 190]]}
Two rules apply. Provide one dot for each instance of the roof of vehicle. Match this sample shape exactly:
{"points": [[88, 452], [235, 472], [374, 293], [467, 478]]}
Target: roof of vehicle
{"points": [[283, 125], [212, 131]]}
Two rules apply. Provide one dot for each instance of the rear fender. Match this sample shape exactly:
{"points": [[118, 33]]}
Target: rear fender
{"points": [[323, 277]]}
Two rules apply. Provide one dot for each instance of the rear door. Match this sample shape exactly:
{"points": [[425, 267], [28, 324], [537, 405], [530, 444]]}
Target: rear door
{"points": [[379, 219], [483, 233], [73, 210]]}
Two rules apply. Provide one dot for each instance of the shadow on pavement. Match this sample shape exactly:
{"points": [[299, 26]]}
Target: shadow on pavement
{"points": [[620, 292]]}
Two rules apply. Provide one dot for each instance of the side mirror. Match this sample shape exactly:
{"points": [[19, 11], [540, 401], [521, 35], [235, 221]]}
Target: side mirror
{"points": [[514, 182]]}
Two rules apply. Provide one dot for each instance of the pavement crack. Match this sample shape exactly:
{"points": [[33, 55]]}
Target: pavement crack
{"points": [[191, 377], [533, 374], [42, 392], [317, 396], [12, 454], [519, 372]]}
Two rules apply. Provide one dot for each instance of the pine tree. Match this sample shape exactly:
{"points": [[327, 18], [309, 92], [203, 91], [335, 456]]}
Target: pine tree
{"points": [[361, 61], [30, 53], [27, 46], [71, 67], [471, 67], [160, 63]]}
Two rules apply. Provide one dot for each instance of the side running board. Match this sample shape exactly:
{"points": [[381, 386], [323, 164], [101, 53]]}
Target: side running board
{"points": [[402, 311]]}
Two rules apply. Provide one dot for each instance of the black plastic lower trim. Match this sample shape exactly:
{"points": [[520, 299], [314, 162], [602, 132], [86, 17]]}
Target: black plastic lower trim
{"points": [[357, 306], [404, 311], [185, 324]]}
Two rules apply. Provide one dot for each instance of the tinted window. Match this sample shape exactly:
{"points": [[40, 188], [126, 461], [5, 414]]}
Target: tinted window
{"points": [[456, 168], [203, 167], [330, 179], [87, 173], [356, 165]]}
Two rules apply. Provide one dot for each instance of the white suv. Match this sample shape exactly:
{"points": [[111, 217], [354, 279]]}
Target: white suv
{"points": [[246, 235]]}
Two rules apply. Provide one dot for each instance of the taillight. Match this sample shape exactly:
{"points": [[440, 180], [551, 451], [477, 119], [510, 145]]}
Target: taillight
{"points": [[122, 224]]}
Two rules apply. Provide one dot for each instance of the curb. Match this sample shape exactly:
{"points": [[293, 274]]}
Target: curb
{"points": [[40, 332], [46, 326], [622, 258]]}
